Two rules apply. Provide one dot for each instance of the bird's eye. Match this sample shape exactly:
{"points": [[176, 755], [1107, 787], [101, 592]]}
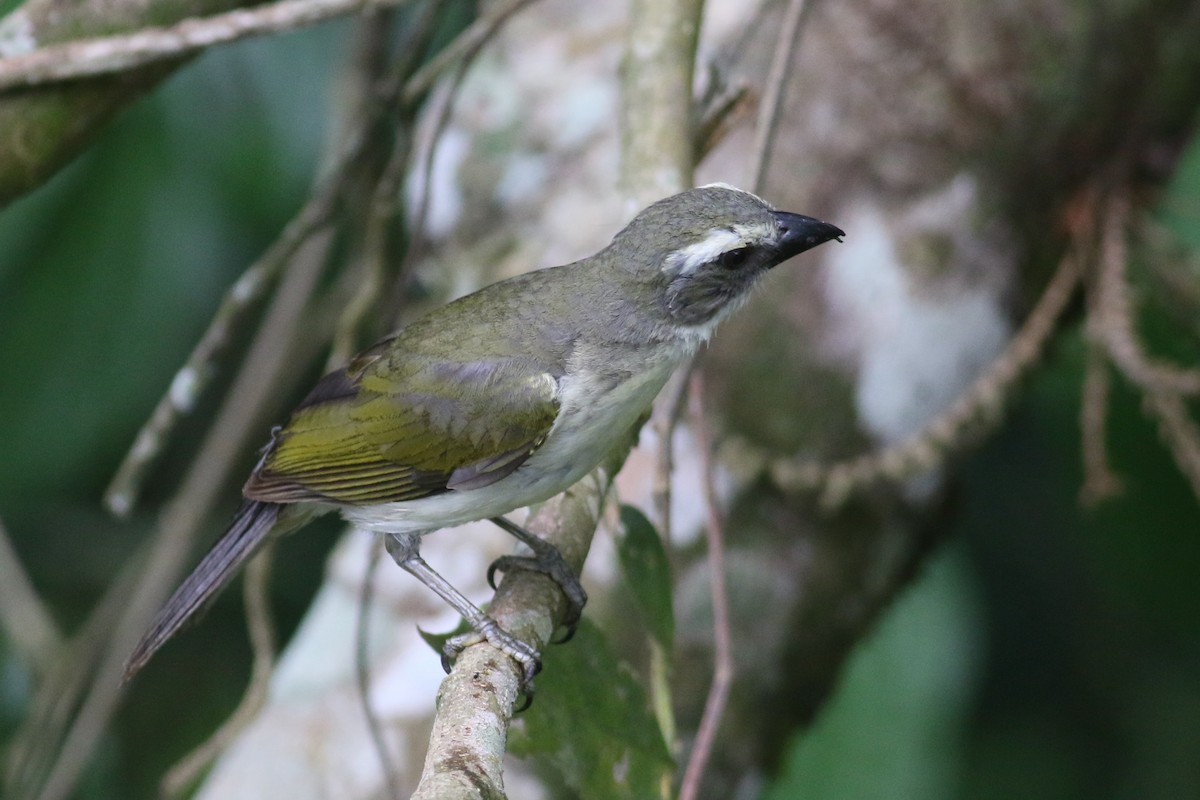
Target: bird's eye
{"points": [[732, 259]]}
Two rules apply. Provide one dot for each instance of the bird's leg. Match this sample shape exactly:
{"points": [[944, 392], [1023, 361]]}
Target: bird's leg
{"points": [[547, 560], [403, 548]]}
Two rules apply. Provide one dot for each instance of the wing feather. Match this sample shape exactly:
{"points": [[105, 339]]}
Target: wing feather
{"points": [[365, 435]]}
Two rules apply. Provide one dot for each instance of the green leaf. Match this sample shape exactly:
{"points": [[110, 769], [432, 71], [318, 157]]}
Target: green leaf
{"points": [[591, 725], [648, 573], [896, 729], [438, 640]]}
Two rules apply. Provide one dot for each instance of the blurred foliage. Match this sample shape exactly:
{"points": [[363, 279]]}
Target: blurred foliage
{"points": [[647, 574], [598, 744], [1092, 613], [895, 728], [1089, 684], [108, 275]]}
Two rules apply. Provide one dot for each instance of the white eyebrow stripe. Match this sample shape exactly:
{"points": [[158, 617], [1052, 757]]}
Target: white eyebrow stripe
{"points": [[756, 232], [688, 259]]}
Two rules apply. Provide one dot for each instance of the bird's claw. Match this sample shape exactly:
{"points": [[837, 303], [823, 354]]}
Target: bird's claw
{"points": [[526, 656], [551, 564]]}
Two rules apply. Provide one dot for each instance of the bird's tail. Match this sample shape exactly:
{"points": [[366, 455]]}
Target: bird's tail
{"points": [[251, 525]]}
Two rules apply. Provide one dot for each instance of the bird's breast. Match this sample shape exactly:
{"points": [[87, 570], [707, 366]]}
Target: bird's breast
{"points": [[601, 398]]}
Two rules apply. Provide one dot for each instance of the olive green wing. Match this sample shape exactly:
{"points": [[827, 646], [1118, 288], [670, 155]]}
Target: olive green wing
{"points": [[387, 430]]}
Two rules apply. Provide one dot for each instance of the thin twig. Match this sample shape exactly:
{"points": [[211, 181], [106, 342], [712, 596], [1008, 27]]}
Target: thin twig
{"points": [[717, 110], [1099, 480], [440, 113], [1179, 432], [465, 45], [1164, 385], [256, 596], [35, 745], [374, 34], [120, 52], [768, 115], [664, 419], [1114, 315], [718, 692], [24, 618], [191, 379], [362, 670]]}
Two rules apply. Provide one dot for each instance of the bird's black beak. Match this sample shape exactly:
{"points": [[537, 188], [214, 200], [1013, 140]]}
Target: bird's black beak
{"points": [[803, 233]]}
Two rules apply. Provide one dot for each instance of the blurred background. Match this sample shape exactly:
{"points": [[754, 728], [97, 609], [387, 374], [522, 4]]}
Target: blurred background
{"points": [[1013, 640]]}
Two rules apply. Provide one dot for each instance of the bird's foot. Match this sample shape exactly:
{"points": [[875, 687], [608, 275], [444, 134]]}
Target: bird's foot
{"points": [[487, 630], [403, 548], [550, 563]]}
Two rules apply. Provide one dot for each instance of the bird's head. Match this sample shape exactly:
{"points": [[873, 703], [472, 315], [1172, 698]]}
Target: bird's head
{"points": [[704, 249]]}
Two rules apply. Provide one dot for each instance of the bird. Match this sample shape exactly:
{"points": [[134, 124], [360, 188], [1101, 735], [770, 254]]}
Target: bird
{"points": [[502, 399]]}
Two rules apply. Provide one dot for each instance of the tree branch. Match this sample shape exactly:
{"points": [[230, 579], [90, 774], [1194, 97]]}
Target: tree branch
{"points": [[256, 383], [193, 377], [1112, 319], [657, 147], [718, 692], [261, 627], [1099, 480], [42, 128], [1179, 432], [23, 617], [475, 702], [107, 54], [768, 117], [463, 47]]}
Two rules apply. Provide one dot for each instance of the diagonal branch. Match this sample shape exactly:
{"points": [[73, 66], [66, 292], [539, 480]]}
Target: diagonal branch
{"points": [[108, 54], [24, 619], [977, 407], [182, 518], [193, 377], [1179, 432], [463, 48], [255, 594], [768, 118]]}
